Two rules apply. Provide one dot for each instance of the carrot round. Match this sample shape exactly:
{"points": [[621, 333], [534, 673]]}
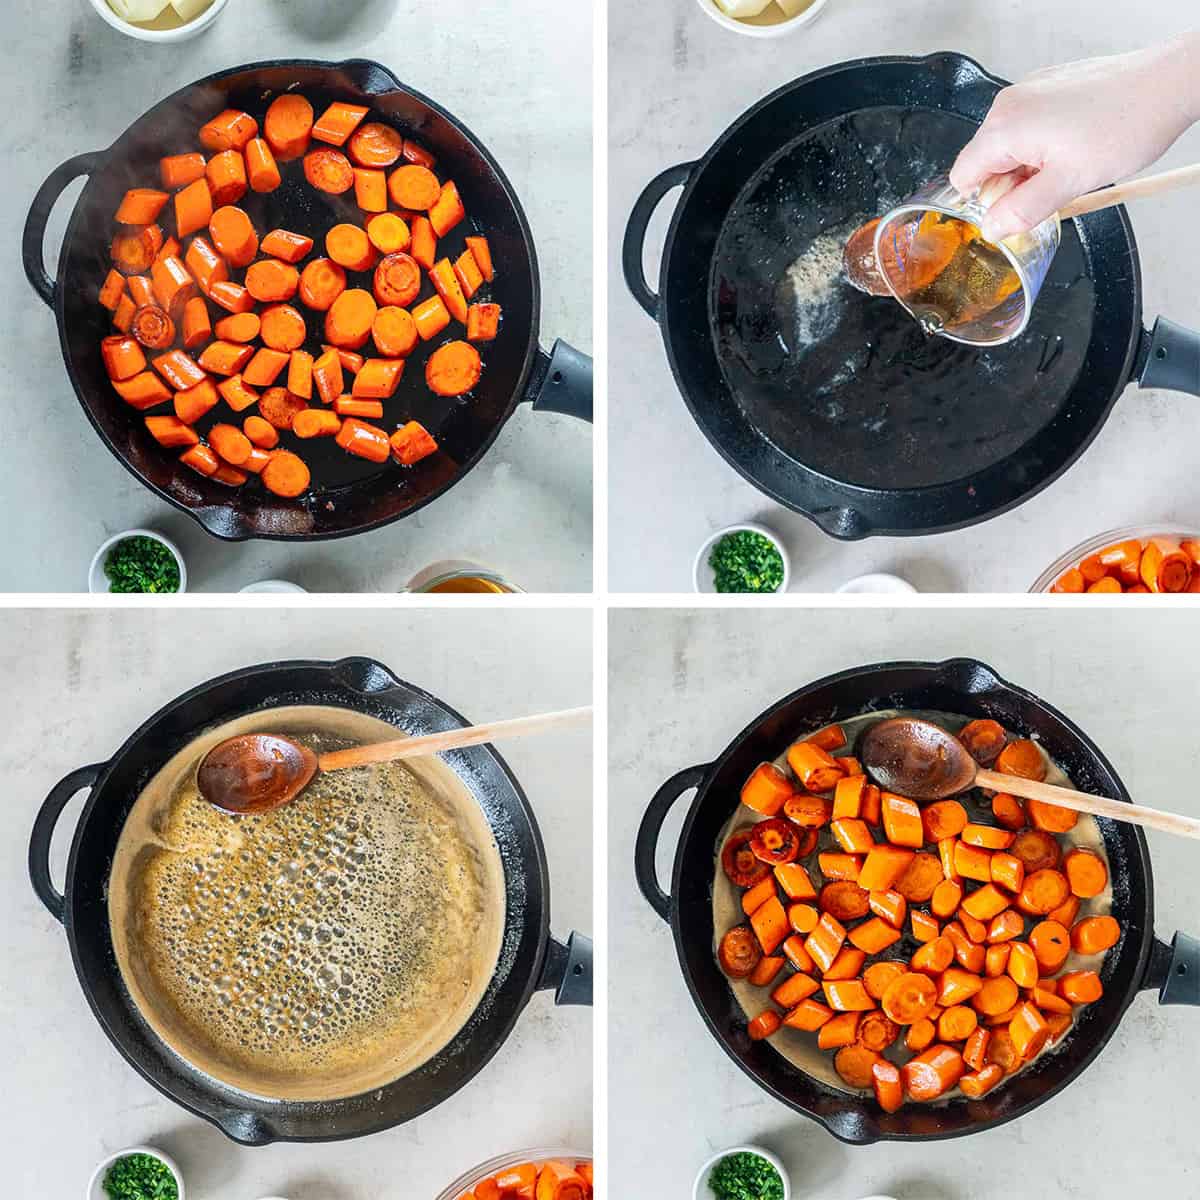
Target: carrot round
{"points": [[739, 952], [453, 369], [229, 130], [957, 1023], [286, 474], [272, 281], [411, 443], [261, 168], [1043, 892], [1095, 935], [844, 900], [397, 280], [1087, 872], [133, 250], [877, 1031], [261, 432], [764, 1025], [395, 335], [1037, 849], [375, 145], [1022, 758], [389, 233], [984, 739], [279, 407], [933, 1073], [879, 975], [233, 234], [153, 327], [997, 995], [920, 878], [321, 283], [349, 319], [1008, 811], [283, 328], [920, 1035], [854, 1064], [239, 327], [288, 126], [1164, 567], [1081, 987], [944, 819], [909, 997], [226, 174], [349, 247], [329, 171], [316, 422], [414, 187]]}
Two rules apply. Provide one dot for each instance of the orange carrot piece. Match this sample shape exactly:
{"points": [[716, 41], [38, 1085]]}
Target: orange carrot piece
{"points": [[193, 208], [141, 206], [261, 433], [424, 243], [178, 170], [288, 126], [349, 247], [283, 328], [370, 190], [389, 233], [142, 391], [321, 283], [201, 459], [226, 174], [448, 212], [482, 251], [239, 327], [171, 431], [338, 122], [329, 171], [453, 369], [261, 168], [286, 474], [316, 422], [197, 325], [236, 394], [291, 247], [378, 379], [228, 130], [348, 321]]}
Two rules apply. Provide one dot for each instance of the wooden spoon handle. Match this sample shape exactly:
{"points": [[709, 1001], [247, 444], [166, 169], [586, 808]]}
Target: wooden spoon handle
{"points": [[453, 739], [1133, 189], [1098, 806]]}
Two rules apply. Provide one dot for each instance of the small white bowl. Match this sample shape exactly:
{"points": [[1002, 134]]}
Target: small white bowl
{"points": [[878, 584], [702, 573], [98, 583], [96, 1184], [701, 1190], [272, 587], [179, 33], [756, 27]]}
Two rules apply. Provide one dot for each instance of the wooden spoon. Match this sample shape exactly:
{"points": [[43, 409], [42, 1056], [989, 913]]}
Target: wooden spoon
{"points": [[260, 771], [858, 257], [924, 762]]}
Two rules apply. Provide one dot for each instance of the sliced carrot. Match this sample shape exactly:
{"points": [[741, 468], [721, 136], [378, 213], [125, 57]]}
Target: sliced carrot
{"points": [[808, 1015], [957, 1023], [264, 368], [1008, 811], [229, 130], [1029, 1032], [448, 212], [1037, 849], [316, 422], [1022, 758], [934, 957], [321, 283], [1050, 818], [1003, 928], [237, 395], [338, 122], [232, 297], [171, 431], [112, 289], [932, 1073], [984, 739], [286, 474], [225, 358], [133, 251], [201, 459], [807, 811], [424, 243], [874, 936], [482, 251], [825, 942], [193, 208], [349, 247], [1081, 987], [764, 1025], [370, 442], [288, 126], [413, 442], [239, 327], [1095, 935], [768, 968], [978, 1083], [924, 927], [389, 233], [261, 168], [841, 1030], [909, 997], [153, 327], [141, 206], [447, 285], [272, 281], [233, 235], [453, 369], [204, 264], [178, 170], [891, 907], [230, 443], [902, 821], [283, 328], [414, 188], [290, 247], [944, 819], [1043, 892], [370, 190], [1008, 871], [397, 280], [329, 171], [226, 174], [1087, 873], [379, 379], [278, 406], [920, 878], [142, 391], [180, 370], [197, 325], [327, 376], [855, 1065], [375, 145]]}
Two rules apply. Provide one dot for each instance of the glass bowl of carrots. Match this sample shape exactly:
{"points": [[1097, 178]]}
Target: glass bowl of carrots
{"points": [[1136, 559], [529, 1174]]}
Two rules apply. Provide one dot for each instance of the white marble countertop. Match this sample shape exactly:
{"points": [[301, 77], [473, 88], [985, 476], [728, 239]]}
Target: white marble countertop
{"points": [[86, 680], [677, 81], [517, 74], [682, 686]]}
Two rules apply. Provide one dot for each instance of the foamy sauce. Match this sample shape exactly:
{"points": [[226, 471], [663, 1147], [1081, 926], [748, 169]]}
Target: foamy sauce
{"points": [[800, 1048], [321, 950]]}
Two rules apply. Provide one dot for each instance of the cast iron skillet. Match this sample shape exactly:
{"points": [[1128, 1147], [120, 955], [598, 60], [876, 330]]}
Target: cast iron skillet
{"points": [[350, 495], [1139, 961], [841, 408], [530, 959]]}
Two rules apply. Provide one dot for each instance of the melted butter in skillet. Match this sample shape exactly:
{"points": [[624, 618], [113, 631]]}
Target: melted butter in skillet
{"points": [[847, 384], [320, 950], [800, 1049]]}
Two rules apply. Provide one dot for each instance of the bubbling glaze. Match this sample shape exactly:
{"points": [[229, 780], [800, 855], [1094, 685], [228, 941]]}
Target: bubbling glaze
{"points": [[320, 950]]}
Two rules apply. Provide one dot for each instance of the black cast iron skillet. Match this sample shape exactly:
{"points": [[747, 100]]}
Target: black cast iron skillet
{"points": [[1138, 962], [530, 959], [349, 495], [840, 407]]}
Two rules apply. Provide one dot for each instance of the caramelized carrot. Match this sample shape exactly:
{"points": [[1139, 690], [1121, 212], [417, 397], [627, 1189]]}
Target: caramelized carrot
{"points": [[1164, 566], [1022, 758], [226, 174], [1029, 1032], [236, 394], [230, 443], [291, 247], [448, 212], [470, 277], [283, 328], [141, 206], [153, 327], [1008, 811], [375, 145], [329, 171], [957, 1023], [288, 126], [142, 391], [909, 997], [239, 327], [278, 406], [338, 122], [984, 739], [1081, 987], [902, 821], [979, 1083], [483, 322], [327, 375], [349, 247], [920, 878], [884, 865], [272, 281], [768, 968], [424, 243], [372, 410], [316, 422], [1043, 892], [286, 474], [261, 433], [1037, 849], [201, 459], [321, 283], [300, 374], [234, 236], [845, 900], [225, 358], [173, 284], [260, 166], [264, 368], [997, 994], [414, 188], [453, 369], [205, 265], [370, 190], [447, 286], [397, 280], [809, 812], [179, 370], [388, 233], [1095, 935], [920, 1035], [171, 431], [112, 289], [1086, 873], [378, 378], [414, 152], [874, 936], [855, 1064], [932, 1073], [934, 957], [193, 207], [348, 321], [792, 877], [764, 1025], [134, 250], [123, 317], [840, 1031], [197, 325], [178, 170], [1051, 818], [395, 335], [370, 442], [482, 251], [229, 130]]}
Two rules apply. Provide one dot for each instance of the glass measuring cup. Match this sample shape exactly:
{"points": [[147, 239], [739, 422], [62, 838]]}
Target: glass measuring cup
{"points": [[936, 263]]}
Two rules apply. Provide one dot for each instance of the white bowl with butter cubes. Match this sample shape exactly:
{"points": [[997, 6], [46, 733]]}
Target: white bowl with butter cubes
{"points": [[763, 18], [160, 20]]}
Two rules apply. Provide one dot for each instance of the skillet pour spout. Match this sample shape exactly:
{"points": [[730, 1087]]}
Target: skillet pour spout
{"points": [[967, 688]]}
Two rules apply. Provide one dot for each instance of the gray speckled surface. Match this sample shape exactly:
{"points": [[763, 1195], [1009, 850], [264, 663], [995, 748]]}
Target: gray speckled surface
{"points": [[677, 81], [87, 680], [518, 74], [682, 685]]}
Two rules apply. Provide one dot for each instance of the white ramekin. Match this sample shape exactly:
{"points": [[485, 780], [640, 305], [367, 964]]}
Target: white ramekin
{"points": [[701, 1190], [96, 1190], [702, 573], [98, 583], [779, 29], [180, 34]]}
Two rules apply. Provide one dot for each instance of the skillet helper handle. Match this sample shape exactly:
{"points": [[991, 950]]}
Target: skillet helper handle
{"points": [[650, 830], [1172, 358], [568, 970], [43, 833], [562, 382], [32, 240], [635, 233], [1175, 970]]}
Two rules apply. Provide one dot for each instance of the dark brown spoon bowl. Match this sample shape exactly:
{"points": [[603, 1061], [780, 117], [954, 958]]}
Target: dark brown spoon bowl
{"points": [[916, 759], [255, 773]]}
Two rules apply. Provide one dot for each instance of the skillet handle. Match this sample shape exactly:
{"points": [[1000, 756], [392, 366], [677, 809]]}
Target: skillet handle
{"points": [[1175, 970], [1170, 358], [39, 214], [649, 831], [568, 970], [43, 832], [635, 233], [562, 382]]}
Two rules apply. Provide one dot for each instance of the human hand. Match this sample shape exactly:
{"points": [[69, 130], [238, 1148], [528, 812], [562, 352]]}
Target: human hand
{"points": [[1068, 130]]}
